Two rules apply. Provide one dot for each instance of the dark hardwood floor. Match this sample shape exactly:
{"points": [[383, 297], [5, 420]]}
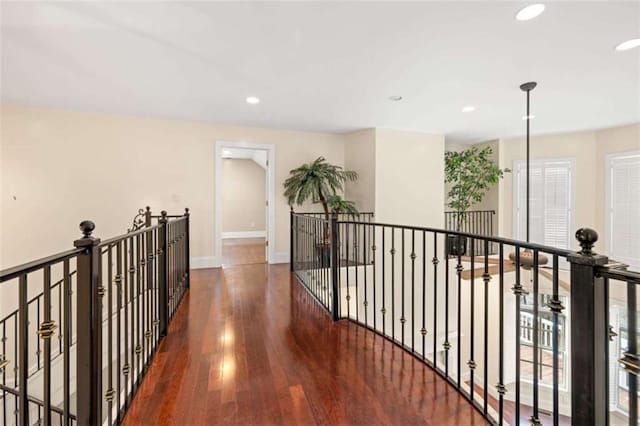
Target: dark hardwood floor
{"points": [[243, 251], [249, 346]]}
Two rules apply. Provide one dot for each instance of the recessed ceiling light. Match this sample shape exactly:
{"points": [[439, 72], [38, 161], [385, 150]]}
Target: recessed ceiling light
{"points": [[395, 98], [468, 108], [528, 117], [629, 44], [530, 12], [253, 100]]}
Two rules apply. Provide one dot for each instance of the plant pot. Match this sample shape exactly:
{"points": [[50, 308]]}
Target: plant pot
{"points": [[323, 251], [456, 245]]}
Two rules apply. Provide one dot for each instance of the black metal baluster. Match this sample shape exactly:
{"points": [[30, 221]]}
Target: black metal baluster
{"points": [[556, 308], [38, 349], [435, 262], [365, 303], [373, 262], [16, 369], [66, 344], [23, 361], [632, 352], [446, 345], [118, 281], [356, 243], [5, 363], [383, 310], [472, 305], [348, 297], [393, 287], [148, 276], [138, 310], [128, 280], [60, 290], [46, 330], [486, 278], [316, 258], [536, 335], [413, 289], [459, 269], [403, 319], [500, 387], [327, 268], [423, 330], [109, 394], [519, 291]]}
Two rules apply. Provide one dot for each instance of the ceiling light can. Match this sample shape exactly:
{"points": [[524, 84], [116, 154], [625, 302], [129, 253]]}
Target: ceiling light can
{"points": [[530, 12]]}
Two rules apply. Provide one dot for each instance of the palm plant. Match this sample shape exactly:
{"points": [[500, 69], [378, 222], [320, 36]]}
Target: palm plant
{"points": [[337, 204], [321, 182]]}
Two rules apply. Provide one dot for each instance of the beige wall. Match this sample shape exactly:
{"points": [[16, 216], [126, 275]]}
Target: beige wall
{"points": [[409, 176], [589, 150], [64, 166], [243, 196], [360, 156]]}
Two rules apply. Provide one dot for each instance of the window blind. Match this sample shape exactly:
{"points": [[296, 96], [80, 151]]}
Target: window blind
{"points": [[551, 202], [623, 207]]}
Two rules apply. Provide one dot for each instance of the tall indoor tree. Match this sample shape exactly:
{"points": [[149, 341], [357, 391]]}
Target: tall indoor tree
{"points": [[321, 182], [471, 173]]}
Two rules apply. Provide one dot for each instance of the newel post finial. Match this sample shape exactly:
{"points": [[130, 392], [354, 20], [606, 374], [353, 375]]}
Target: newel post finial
{"points": [[87, 227], [163, 216], [186, 211], [587, 238]]}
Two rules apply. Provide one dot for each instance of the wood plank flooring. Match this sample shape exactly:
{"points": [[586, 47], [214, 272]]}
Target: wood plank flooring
{"points": [[249, 346], [243, 251]]}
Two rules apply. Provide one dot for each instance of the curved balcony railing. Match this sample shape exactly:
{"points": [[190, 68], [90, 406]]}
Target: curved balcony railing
{"points": [[525, 340]]}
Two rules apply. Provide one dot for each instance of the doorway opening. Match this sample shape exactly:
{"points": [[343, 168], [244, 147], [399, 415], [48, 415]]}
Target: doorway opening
{"points": [[244, 210]]}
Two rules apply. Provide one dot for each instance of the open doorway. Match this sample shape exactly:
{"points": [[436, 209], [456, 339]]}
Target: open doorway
{"points": [[243, 203]]}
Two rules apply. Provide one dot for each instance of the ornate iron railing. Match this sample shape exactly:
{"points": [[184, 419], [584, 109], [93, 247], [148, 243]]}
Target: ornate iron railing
{"points": [[109, 311], [462, 313], [477, 222]]}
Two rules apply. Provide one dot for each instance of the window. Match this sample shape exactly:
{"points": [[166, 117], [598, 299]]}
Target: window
{"points": [[545, 340], [623, 207], [551, 213]]}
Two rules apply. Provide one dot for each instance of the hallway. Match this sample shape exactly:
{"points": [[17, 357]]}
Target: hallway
{"points": [[250, 346]]}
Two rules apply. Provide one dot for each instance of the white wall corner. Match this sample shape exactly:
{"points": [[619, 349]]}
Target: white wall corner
{"points": [[205, 262], [280, 258], [244, 234]]}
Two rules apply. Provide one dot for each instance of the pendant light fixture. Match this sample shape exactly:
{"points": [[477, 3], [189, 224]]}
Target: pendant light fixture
{"points": [[526, 257]]}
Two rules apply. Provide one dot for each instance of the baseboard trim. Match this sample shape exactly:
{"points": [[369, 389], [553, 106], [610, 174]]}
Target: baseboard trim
{"points": [[280, 258], [243, 234], [205, 262]]}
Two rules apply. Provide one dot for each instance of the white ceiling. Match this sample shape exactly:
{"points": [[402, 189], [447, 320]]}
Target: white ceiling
{"points": [[329, 66]]}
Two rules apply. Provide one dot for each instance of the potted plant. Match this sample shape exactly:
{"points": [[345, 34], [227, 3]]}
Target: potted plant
{"points": [[471, 173], [320, 182]]}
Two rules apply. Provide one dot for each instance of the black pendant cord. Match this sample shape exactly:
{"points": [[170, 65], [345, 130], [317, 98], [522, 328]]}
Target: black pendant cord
{"points": [[528, 87], [528, 119]]}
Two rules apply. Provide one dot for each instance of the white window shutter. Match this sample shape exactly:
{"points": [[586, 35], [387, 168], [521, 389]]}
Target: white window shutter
{"points": [[551, 201], [623, 230]]}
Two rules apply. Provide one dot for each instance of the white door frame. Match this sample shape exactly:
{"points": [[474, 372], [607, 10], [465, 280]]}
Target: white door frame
{"points": [[271, 222]]}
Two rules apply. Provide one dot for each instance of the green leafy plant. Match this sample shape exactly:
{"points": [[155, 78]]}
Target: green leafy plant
{"points": [[471, 174], [320, 182], [339, 205]]}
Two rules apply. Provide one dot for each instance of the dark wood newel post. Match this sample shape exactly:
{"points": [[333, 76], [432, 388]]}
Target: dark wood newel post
{"points": [[187, 252], [291, 239], [147, 217], [163, 307], [589, 334], [89, 329], [335, 300]]}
